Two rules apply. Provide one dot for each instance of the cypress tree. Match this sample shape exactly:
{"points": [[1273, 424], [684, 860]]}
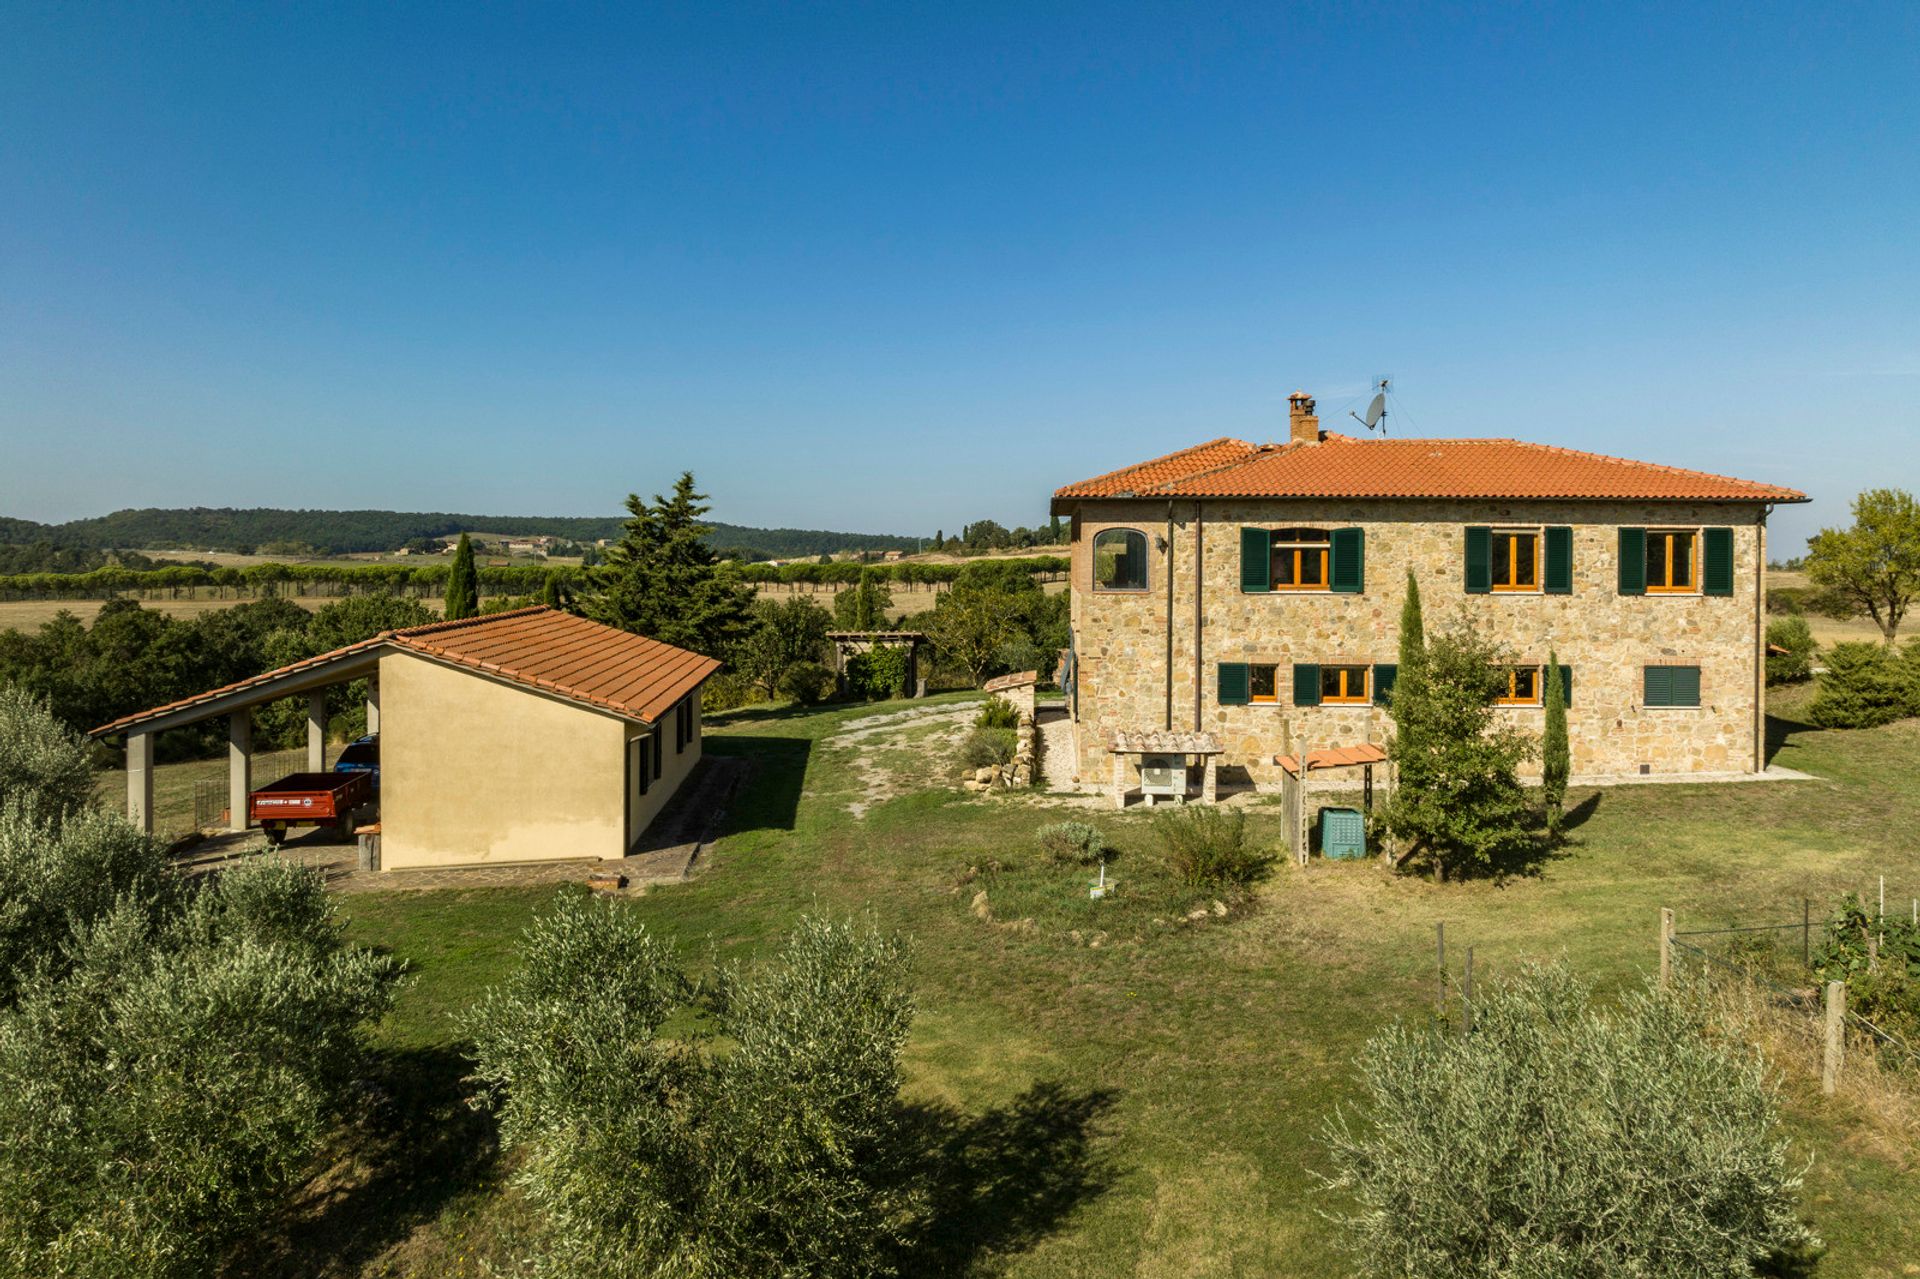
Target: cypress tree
{"points": [[550, 591], [1413, 629], [1555, 760], [463, 584]]}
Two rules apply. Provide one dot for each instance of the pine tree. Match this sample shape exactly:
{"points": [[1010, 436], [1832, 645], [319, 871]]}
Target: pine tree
{"points": [[463, 583], [662, 580], [1555, 761], [939, 538]]}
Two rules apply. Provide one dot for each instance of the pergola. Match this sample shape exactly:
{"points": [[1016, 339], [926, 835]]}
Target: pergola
{"points": [[847, 644]]}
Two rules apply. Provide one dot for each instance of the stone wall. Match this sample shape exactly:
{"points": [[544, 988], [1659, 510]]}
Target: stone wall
{"points": [[1122, 641]]}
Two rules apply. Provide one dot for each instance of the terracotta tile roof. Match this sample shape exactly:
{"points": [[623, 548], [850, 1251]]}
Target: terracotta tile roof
{"points": [[1151, 477], [1335, 757], [1345, 467], [570, 657]]}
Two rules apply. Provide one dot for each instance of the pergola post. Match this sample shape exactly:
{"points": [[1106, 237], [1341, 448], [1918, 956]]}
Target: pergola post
{"points": [[239, 767], [317, 731], [140, 781], [373, 705]]}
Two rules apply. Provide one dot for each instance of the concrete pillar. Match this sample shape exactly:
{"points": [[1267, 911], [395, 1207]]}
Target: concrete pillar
{"points": [[373, 705], [239, 767], [140, 780], [317, 731]]}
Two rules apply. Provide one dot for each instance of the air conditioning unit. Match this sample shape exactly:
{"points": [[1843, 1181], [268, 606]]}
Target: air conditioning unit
{"points": [[1163, 775]]}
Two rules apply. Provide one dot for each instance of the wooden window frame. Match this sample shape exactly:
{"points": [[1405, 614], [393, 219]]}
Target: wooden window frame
{"points": [[1693, 560], [1272, 698], [1346, 695], [1512, 698], [1511, 561], [1300, 548], [1146, 571]]}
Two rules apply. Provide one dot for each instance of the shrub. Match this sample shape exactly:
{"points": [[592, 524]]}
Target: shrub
{"points": [[1888, 994], [727, 691], [1862, 687], [645, 1155], [1206, 845], [997, 712], [1794, 635], [161, 1101], [58, 876], [807, 683], [1496, 1153], [878, 673], [1074, 843], [40, 756], [987, 747]]}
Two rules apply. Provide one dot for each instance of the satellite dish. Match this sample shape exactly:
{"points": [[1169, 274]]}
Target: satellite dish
{"points": [[1376, 417]]}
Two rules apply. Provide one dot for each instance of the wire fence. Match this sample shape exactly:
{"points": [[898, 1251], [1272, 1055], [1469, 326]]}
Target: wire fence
{"points": [[1780, 960]]}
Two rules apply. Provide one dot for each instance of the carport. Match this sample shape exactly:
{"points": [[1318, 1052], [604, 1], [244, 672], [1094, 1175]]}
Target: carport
{"points": [[521, 736]]}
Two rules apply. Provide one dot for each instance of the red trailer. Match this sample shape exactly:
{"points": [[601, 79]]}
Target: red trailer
{"points": [[310, 799]]}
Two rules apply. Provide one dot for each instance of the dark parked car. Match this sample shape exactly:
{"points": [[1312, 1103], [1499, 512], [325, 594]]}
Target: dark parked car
{"points": [[361, 756]]}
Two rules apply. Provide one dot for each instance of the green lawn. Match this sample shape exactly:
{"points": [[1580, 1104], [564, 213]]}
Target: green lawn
{"points": [[1149, 1106]]}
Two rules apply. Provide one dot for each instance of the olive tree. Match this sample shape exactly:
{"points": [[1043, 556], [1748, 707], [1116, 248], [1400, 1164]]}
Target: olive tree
{"points": [[757, 1137], [1872, 567], [40, 755], [1559, 1140]]}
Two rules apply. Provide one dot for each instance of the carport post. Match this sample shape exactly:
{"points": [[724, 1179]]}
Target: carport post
{"points": [[140, 780], [317, 731], [239, 767]]}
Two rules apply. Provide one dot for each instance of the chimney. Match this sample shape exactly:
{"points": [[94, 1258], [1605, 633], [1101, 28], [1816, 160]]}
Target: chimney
{"points": [[1306, 427]]}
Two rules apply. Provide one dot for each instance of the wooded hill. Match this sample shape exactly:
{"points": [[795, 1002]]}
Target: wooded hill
{"points": [[343, 532]]}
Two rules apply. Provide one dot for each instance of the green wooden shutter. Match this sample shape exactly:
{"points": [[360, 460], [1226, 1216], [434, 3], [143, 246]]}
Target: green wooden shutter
{"points": [[1566, 684], [1256, 559], [1716, 562], [1559, 560], [1384, 675], [1306, 683], [1686, 685], [1659, 686], [1479, 560], [1233, 684], [1349, 555], [1633, 561]]}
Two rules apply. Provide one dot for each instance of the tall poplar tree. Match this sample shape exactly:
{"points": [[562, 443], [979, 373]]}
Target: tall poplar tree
{"points": [[463, 583], [662, 580]]}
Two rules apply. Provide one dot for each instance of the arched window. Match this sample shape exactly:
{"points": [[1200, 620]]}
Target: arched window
{"points": [[1120, 560]]}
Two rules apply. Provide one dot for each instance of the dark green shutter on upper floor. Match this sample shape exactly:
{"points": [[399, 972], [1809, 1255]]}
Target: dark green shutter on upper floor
{"points": [[1256, 559], [1633, 561], [1716, 561], [1479, 560], [1348, 572], [1306, 683], [1233, 684], [1559, 576], [1385, 674]]}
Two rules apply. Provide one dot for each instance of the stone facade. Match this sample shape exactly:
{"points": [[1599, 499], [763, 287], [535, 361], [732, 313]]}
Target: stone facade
{"points": [[1139, 669]]}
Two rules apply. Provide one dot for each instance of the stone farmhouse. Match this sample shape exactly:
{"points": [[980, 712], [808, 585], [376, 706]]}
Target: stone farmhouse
{"points": [[1253, 592]]}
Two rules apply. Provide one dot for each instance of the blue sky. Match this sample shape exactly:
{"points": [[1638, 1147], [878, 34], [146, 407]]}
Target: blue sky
{"points": [[895, 266]]}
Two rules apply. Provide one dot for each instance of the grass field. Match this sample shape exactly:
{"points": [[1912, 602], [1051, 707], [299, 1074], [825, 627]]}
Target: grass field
{"points": [[1150, 1106]]}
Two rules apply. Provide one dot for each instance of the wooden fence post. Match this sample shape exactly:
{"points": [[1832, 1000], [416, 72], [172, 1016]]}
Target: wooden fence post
{"points": [[1440, 970], [1466, 997], [1836, 1036], [1666, 947]]}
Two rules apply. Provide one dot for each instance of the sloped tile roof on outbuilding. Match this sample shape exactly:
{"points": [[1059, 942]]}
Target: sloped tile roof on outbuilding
{"points": [[1340, 466], [539, 648]]}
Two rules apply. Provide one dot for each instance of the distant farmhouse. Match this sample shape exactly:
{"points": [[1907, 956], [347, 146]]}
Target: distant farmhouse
{"points": [[1253, 592]]}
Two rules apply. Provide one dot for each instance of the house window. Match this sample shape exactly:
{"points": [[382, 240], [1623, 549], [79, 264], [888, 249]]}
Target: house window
{"points": [[1120, 560], [1516, 559], [1299, 559], [1671, 556], [1671, 686], [1522, 687], [1343, 685], [1263, 683]]}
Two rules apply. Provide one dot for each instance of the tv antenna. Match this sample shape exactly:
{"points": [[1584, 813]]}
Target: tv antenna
{"points": [[1376, 418]]}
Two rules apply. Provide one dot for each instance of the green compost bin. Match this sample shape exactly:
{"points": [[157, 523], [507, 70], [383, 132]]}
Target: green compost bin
{"points": [[1343, 833]]}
